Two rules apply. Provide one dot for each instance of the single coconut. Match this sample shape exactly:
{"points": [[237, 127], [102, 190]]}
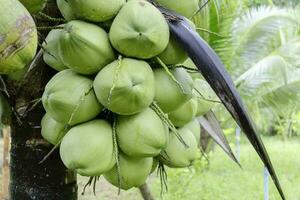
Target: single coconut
{"points": [[142, 135], [69, 98], [139, 30], [205, 96], [173, 54], [177, 155], [126, 86], [88, 148], [172, 92], [195, 128], [52, 131], [96, 10], [133, 172], [50, 46], [65, 9], [184, 114], [85, 47]]}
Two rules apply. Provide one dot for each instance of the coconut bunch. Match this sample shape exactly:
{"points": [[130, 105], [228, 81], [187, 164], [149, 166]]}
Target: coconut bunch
{"points": [[126, 96], [122, 100]]}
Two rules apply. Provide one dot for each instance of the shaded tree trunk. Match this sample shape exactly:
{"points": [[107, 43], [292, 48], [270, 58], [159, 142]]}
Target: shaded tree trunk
{"points": [[30, 180]]}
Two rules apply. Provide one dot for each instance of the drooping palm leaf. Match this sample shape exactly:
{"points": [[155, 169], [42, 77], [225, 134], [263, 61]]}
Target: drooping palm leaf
{"points": [[210, 123], [213, 71]]}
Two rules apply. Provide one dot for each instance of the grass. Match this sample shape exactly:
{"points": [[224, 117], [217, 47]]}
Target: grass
{"points": [[224, 180]]}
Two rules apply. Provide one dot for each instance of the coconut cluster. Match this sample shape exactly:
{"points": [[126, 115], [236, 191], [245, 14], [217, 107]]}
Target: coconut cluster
{"points": [[121, 101]]}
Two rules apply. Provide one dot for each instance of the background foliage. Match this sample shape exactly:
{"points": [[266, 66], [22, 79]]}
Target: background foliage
{"points": [[259, 43]]}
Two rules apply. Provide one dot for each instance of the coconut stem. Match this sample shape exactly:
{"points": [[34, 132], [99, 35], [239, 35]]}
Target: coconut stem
{"points": [[116, 76], [163, 178], [82, 98], [51, 19], [187, 68], [117, 154], [48, 28], [89, 183], [168, 122], [170, 74], [205, 99]]}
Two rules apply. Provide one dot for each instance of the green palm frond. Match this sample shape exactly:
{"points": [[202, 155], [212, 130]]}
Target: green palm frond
{"points": [[255, 34], [274, 81], [284, 97], [262, 76]]}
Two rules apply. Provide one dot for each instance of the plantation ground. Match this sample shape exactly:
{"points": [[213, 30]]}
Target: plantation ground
{"points": [[223, 180]]}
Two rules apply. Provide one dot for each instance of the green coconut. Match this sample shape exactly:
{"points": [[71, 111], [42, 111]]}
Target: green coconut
{"points": [[88, 148], [18, 36], [96, 10], [85, 47], [170, 94], [139, 30], [205, 96], [195, 128], [142, 135], [184, 114], [52, 131], [34, 6], [173, 54], [133, 172], [50, 46], [176, 155], [186, 8], [65, 9], [69, 98], [126, 86]]}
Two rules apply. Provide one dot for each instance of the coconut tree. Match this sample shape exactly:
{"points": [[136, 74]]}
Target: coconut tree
{"points": [[263, 55], [24, 89]]}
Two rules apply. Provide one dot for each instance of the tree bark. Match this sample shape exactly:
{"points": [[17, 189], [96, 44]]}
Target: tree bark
{"points": [[30, 180]]}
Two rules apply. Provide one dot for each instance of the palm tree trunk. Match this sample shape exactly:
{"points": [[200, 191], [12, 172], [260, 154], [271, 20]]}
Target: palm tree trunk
{"points": [[30, 179]]}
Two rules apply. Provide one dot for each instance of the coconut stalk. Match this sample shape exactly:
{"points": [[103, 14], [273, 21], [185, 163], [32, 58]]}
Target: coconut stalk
{"points": [[30, 179], [146, 193]]}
